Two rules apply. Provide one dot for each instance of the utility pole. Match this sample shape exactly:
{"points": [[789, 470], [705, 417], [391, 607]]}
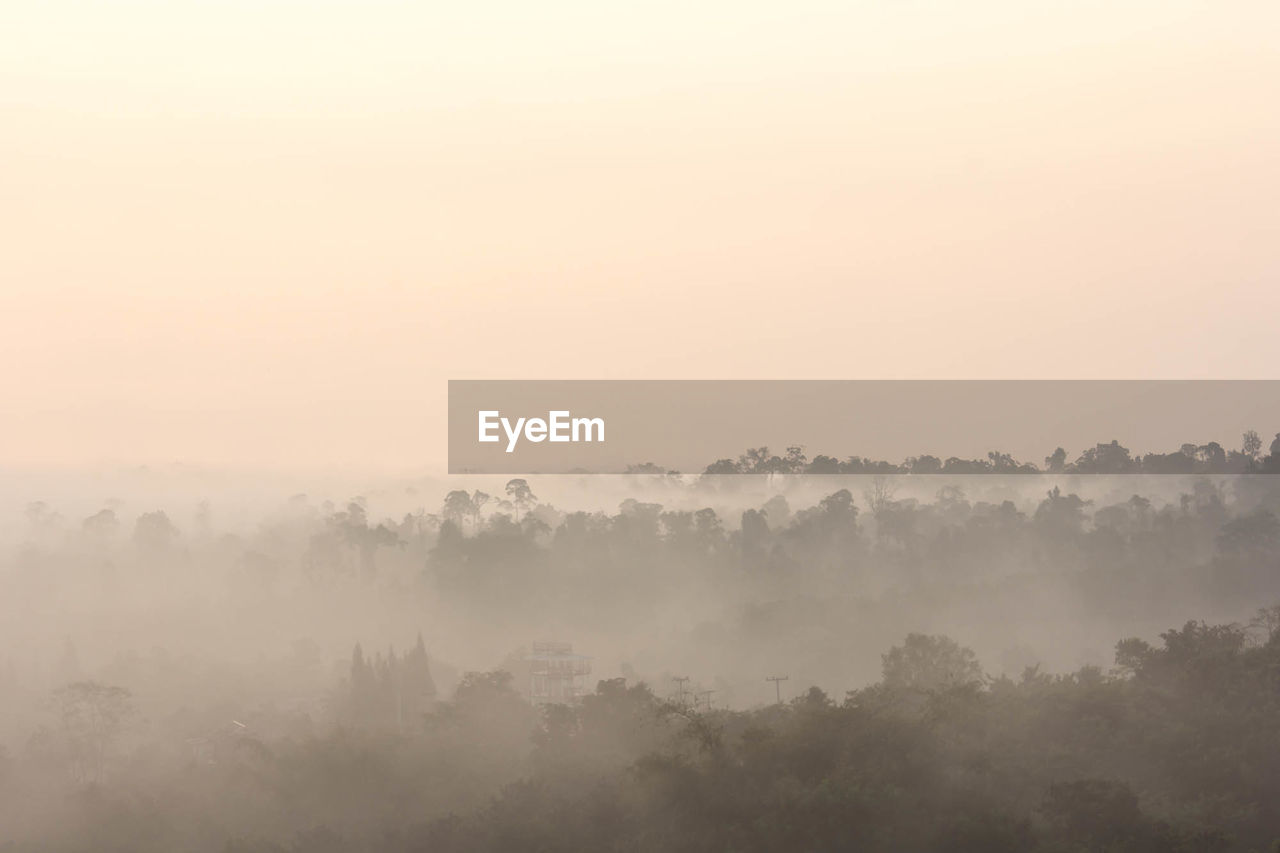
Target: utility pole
{"points": [[777, 684], [705, 696], [399, 696], [680, 680]]}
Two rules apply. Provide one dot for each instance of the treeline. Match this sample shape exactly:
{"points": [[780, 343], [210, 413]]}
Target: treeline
{"points": [[387, 692], [1109, 458], [1204, 542], [1174, 749]]}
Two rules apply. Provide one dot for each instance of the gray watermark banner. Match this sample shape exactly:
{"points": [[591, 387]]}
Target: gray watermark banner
{"points": [[863, 426]]}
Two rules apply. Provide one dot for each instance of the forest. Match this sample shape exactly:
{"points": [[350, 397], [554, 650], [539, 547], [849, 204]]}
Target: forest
{"points": [[1080, 658], [1103, 458]]}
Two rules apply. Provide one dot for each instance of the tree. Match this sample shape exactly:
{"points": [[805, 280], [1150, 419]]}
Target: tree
{"points": [[520, 495], [102, 524], [91, 714], [1094, 812], [755, 460], [824, 465], [925, 662], [1255, 535], [880, 495], [925, 464], [458, 506], [478, 500], [1251, 444], [1061, 514], [154, 533], [1212, 456], [353, 528], [838, 512], [1132, 654], [1110, 458], [755, 540], [794, 462]]}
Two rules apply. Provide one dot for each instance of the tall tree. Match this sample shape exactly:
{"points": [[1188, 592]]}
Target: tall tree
{"points": [[520, 495]]}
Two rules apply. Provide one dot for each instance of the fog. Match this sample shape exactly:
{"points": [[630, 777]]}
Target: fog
{"points": [[197, 660], [247, 244]]}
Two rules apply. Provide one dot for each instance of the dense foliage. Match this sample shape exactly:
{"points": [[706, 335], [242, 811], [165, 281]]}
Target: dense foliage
{"points": [[1175, 749], [171, 686], [1103, 458]]}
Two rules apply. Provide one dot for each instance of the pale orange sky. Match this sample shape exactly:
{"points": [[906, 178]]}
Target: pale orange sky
{"points": [[265, 233]]}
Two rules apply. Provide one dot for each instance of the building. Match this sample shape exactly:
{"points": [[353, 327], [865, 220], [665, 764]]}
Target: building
{"points": [[556, 674]]}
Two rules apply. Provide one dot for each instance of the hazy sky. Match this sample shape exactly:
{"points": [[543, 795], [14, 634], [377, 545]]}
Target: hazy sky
{"points": [[266, 233]]}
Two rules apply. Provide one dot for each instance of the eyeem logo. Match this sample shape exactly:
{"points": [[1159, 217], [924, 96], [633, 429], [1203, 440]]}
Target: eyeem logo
{"points": [[558, 426]]}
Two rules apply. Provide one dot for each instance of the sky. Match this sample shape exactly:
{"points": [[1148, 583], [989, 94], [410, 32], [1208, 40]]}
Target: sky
{"points": [[265, 234]]}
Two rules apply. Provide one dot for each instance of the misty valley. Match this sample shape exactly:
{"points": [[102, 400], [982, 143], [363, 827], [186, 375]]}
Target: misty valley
{"points": [[938, 508], [776, 659]]}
